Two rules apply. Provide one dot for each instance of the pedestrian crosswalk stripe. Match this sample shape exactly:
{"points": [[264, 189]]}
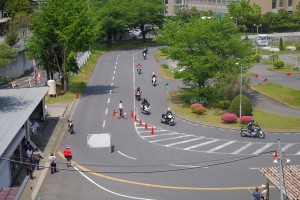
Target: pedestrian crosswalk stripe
{"points": [[263, 148], [161, 135], [201, 144], [287, 146], [242, 148], [171, 138], [220, 147], [184, 141]]}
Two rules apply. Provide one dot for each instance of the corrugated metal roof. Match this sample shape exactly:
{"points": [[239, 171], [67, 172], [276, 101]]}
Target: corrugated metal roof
{"points": [[291, 179], [16, 105]]}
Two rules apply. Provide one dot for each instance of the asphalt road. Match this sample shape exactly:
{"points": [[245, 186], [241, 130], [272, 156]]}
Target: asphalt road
{"points": [[187, 161]]}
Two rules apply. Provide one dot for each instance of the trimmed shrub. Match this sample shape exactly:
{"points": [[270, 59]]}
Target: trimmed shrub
{"points": [[245, 119], [165, 66], [224, 104], [200, 100], [196, 105], [255, 58], [278, 64], [198, 110], [246, 106], [229, 117]]}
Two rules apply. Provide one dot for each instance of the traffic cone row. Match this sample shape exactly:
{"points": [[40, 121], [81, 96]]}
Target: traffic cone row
{"points": [[141, 122]]}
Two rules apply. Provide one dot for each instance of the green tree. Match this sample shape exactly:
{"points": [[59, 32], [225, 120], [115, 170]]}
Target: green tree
{"points": [[14, 6], [61, 29], [205, 48], [278, 64], [281, 44], [246, 106], [246, 13], [147, 12], [7, 55]]}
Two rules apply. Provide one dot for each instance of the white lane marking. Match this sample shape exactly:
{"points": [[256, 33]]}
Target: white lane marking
{"points": [[106, 111], [162, 135], [171, 138], [103, 125], [109, 91], [287, 146], [112, 83], [113, 77], [114, 72], [126, 155], [201, 144], [107, 190], [117, 62], [253, 168], [220, 147], [263, 148], [115, 67], [188, 166], [298, 153], [242, 148], [108, 100], [185, 141]]}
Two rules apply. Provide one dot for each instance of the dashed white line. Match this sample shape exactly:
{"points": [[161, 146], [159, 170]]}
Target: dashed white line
{"points": [[103, 125], [109, 91], [106, 111], [187, 166], [126, 155], [112, 83], [108, 100], [114, 72], [113, 77]]}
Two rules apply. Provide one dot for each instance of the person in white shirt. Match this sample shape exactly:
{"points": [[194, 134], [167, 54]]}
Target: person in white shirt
{"points": [[52, 160], [121, 109]]}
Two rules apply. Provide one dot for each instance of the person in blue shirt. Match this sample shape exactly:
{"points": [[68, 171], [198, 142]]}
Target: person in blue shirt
{"points": [[256, 194]]}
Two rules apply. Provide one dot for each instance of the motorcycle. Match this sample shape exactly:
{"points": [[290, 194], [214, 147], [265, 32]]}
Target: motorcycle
{"points": [[154, 81], [168, 119], [257, 132], [138, 95], [70, 127], [145, 107], [139, 68], [144, 55]]}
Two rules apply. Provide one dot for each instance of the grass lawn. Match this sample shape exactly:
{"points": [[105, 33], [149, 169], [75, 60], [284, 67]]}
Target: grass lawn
{"points": [[273, 122], [285, 69], [281, 93]]}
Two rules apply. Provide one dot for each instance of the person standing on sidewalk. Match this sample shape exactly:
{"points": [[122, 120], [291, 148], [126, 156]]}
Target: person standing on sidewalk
{"points": [[52, 160], [28, 167], [36, 159], [121, 109], [256, 194], [68, 155]]}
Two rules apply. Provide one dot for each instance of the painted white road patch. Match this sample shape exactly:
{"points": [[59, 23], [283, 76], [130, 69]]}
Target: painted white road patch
{"points": [[99, 140]]}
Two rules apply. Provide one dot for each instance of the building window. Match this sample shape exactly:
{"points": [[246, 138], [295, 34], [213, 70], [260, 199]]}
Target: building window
{"points": [[274, 2], [281, 3], [290, 2]]}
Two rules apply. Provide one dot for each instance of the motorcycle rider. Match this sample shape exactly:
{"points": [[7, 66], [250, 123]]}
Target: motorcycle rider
{"points": [[70, 126], [138, 92], [250, 127], [169, 112], [153, 77], [144, 102], [139, 68]]}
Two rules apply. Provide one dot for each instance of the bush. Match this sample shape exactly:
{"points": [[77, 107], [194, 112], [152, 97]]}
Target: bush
{"points": [[199, 100], [245, 119], [224, 104], [246, 106], [229, 117], [278, 64], [198, 110], [196, 105], [255, 58], [165, 66]]}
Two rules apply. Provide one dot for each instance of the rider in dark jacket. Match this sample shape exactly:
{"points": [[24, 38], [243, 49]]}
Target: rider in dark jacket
{"points": [[250, 126]]}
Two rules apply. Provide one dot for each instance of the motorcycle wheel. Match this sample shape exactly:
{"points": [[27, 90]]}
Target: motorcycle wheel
{"points": [[261, 135], [172, 123], [243, 133]]}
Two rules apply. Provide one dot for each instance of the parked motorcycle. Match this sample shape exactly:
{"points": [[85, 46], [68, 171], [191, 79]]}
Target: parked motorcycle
{"points": [[145, 107], [168, 119], [256, 132]]}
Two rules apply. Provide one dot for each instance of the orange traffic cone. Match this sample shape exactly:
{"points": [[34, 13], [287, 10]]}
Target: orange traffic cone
{"points": [[114, 113], [146, 126], [135, 118], [141, 123], [131, 114], [152, 131]]}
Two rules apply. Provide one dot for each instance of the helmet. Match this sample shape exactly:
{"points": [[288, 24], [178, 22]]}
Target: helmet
{"points": [[152, 73], [68, 146], [169, 109]]}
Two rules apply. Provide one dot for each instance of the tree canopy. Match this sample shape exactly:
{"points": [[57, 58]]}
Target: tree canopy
{"points": [[205, 48], [7, 55], [60, 30]]}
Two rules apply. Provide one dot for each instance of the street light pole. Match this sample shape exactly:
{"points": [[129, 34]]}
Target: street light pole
{"points": [[280, 169], [256, 33], [241, 86]]}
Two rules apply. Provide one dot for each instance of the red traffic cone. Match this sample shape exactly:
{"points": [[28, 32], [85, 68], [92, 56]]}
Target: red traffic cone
{"points": [[146, 126], [141, 123], [131, 114], [275, 157], [256, 75], [77, 95], [114, 113], [289, 74], [265, 79], [152, 131], [135, 118]]}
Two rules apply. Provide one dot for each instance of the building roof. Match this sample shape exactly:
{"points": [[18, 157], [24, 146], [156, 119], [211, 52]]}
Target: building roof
{"points": [[291, 179], [16, 106]]}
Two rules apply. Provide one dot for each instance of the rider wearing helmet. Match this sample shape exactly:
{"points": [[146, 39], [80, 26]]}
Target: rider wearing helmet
{"points": [[153, 75], [250, 126]]}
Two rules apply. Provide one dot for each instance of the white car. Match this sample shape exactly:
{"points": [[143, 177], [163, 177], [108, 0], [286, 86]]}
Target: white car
{"points": [[275, 50], [136, 32], [292, 48]]}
